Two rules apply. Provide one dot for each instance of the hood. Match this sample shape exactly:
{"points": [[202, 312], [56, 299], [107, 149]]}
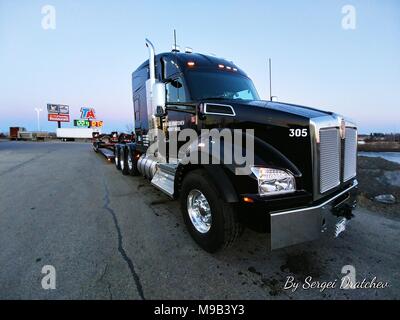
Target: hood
{"points": [[273, 123], [292, 109]]}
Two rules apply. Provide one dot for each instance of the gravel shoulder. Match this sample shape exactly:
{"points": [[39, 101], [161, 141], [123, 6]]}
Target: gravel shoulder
{"points": [[378, 176]]}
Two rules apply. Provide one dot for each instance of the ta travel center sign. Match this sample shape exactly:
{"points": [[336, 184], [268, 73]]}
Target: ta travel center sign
{"points": [[88, 119], [85, 123], [88, 113]]}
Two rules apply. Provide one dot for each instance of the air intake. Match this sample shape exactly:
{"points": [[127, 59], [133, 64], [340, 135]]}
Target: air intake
{"points": [[219, 109], [350, 154], [329, 159]]}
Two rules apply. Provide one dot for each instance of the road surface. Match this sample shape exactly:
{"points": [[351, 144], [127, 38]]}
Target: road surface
{"points": [[110, 236]]}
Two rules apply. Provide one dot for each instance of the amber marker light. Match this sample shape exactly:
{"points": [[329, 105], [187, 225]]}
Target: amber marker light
{"points": [[221, 66], [248, 200], [191, 64]]}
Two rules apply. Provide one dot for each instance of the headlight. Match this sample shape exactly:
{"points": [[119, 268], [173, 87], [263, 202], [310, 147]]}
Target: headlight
{"points": [[273, 181]]}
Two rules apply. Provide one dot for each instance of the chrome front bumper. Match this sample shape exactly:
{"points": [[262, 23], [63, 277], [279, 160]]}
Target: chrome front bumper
{"points": [[300, 225]]}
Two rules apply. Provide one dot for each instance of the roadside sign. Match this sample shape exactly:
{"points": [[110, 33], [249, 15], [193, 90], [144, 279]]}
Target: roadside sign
{"points": [[58, 117], [82, 123], [58, 113], [63, 109], [88, 113], [53, 108], [96, 123], [86, 123]]}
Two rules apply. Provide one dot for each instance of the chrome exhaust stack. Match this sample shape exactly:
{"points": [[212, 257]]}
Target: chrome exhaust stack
{"points": [[150, 84], [152, 55], [156, 104]]}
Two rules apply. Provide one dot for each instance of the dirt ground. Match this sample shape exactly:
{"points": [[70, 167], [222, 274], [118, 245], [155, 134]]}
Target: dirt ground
{"points": [[378, 176]]}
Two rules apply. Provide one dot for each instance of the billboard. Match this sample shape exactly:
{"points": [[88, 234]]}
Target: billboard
{"points": [[63, 109], [53, 108], [58, 117], [58, 112]]}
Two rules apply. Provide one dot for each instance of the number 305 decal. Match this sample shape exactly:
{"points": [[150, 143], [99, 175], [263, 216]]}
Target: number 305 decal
{"points": [[298, 133]]}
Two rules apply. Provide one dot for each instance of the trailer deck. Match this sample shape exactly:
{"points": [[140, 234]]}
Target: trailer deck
{"points": [[107, 153]]}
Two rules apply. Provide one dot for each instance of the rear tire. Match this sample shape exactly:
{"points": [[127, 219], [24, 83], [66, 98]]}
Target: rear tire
{"points": [[200, 199], [117, 153], [123, 162], [131, 163], [96, 147]]}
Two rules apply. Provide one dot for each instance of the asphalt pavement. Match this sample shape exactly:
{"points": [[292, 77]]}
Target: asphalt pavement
{"points": [[110, 236]]}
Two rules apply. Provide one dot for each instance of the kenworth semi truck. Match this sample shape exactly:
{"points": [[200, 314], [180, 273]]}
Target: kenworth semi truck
{"points": [[301, 184]]}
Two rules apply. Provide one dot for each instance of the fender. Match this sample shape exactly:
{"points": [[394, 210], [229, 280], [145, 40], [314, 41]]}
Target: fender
{"points": [[224, 175], [217, 175]]}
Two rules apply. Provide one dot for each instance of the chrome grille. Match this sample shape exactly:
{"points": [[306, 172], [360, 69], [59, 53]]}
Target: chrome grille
{"points": [[350, 154], [329, 156]]}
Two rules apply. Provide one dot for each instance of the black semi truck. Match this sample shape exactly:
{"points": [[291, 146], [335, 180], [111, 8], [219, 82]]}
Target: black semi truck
{"points": [[301, 185]]}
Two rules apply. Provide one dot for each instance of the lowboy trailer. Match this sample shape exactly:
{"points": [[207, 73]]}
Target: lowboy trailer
{"points": [[105, 143]]}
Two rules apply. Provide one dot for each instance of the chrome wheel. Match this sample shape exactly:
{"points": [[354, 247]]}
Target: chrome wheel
{"points": [[199, 211], [130, 162]]}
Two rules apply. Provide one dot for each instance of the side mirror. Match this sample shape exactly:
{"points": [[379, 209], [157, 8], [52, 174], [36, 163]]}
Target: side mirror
{"points": [[159, 99]]}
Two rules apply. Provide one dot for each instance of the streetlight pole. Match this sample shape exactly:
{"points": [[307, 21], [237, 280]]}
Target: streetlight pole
{"points": [[38, 110]]}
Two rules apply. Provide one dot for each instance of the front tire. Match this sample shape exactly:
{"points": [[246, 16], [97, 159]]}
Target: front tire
{"points": [[212, 223]]}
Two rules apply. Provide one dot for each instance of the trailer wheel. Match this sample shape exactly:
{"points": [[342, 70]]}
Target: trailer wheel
{"points": [[211, 222], [96, 147], [116, 157], [131, 162], [123, 162]]}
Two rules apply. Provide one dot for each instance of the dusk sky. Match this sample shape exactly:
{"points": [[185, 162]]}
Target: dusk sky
{"points": [[87, 60]]}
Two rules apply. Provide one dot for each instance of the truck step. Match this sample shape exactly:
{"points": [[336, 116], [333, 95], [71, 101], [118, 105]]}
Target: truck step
{"points": [[164, 178]]}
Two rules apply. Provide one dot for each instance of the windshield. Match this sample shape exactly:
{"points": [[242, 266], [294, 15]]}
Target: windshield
{"points": [[220, 85]]}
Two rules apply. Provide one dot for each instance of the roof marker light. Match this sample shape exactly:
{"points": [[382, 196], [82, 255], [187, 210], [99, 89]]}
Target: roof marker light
{"points": [[221, 66], [191, 64], [234, 69], [229, 68]]}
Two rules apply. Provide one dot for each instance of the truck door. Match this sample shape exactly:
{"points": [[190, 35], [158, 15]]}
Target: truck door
{"points": [[180, 116], [140, 116]]}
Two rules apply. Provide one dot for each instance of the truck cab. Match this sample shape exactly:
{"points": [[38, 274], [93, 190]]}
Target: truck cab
{"points": [[301, 183]]}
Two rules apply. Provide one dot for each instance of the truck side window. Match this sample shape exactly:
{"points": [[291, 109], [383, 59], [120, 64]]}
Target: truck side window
{"points": [[169, 68], [176, 90]]}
